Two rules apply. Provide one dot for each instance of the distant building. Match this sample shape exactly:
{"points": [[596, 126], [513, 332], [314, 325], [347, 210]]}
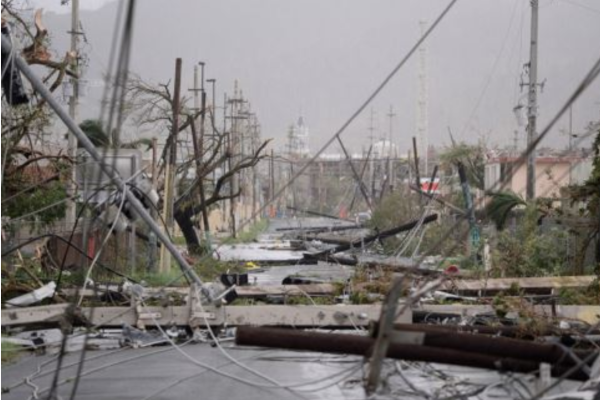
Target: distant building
{"points": [[331, 183], [298, 140], [552, 173]]}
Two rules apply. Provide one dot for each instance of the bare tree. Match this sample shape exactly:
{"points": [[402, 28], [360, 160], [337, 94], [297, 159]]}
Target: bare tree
{"points": [[152, 105], [23, 125]]}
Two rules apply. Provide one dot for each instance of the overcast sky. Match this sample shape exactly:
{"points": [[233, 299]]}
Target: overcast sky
{"points": [[322, 59]]}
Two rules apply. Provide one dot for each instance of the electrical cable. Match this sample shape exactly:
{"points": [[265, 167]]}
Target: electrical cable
{"points": [[588, 79], [226, 354], [493, 70], [58, 282], [238, 379], [360, 109], [583, 6], [110, 364], [193, 376]]}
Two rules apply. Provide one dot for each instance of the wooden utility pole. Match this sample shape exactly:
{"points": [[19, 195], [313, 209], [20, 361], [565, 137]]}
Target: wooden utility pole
{"points": [[532, 104], [165, 256], [227, 162], [200, 106], [202, 129], [152, 244], [255, 184], [416, 156], [233, 148], [71, 213], [417, 173], [154, 162]]}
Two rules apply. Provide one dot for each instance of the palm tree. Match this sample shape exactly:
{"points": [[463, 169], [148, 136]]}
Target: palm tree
{"points": [[501, 205], [95, 132]]}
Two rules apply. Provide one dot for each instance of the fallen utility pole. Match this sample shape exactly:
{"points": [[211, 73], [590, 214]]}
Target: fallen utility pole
{"points": [[349, 316], [430, 335], [318, 214], [401, 348], [353, 261], [85, 142], [378, 236], [332, 239], [538, 285], [512, 331], [320, 228], [315, 289]]}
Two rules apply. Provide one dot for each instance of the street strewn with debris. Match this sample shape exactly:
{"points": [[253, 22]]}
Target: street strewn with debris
{"points": [[165, 236]]}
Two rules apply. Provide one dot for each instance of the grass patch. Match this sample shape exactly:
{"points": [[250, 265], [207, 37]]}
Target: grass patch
{"points": [[251, 234], [179, 240], [208, 270], [10, 352], [306, 301], [174, 277]]}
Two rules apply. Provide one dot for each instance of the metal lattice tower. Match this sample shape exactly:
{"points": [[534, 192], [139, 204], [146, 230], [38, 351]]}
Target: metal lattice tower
{"points": [[422, 102]]}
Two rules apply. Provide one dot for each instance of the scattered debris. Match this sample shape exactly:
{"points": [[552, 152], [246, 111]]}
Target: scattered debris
{"points": [[33, 297]]}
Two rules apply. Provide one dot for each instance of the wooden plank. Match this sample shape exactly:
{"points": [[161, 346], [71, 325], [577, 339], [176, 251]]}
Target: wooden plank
{"points": [[522, 283]]}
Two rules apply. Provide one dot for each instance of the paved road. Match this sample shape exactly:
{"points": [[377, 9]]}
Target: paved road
{"points": [[163, 373], [272, 239]]}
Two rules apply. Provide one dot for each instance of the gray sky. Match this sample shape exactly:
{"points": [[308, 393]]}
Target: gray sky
{"points": [[323, 58]]}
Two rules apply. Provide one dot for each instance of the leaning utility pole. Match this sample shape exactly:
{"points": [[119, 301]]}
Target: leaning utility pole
{"points": [[372, 164], [200, 107], [201, 148], [233, 147], [391, 157], [202, 195], [422, 102], [532, 105], [71, 213], [165, 256]]}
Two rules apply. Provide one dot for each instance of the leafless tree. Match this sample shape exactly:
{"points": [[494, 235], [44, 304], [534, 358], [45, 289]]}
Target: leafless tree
{"points": [[152, 105]]}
